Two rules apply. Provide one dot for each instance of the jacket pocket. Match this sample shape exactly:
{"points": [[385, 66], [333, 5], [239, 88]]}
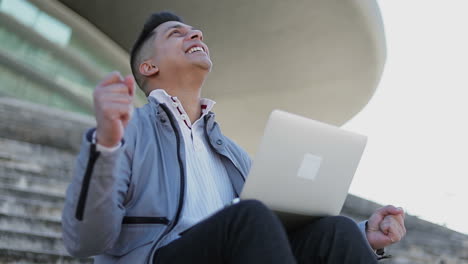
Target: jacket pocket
{"points": [[136, 232], [145, 220]]}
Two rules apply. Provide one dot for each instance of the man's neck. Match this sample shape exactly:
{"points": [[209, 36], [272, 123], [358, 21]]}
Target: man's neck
{"points": [[187, 88]]}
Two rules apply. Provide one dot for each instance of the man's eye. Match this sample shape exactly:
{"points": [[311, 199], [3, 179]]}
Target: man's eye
{"points": [[175, 32]]}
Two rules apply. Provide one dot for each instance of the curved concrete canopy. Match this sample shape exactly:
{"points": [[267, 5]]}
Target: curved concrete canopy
{"points": [[319, 58]]}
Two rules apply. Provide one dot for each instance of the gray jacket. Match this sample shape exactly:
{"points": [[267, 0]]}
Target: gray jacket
{"points": [[120, 205]]}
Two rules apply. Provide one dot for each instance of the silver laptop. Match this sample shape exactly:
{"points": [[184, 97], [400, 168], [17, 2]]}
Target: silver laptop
{"points": [[303, 168]]}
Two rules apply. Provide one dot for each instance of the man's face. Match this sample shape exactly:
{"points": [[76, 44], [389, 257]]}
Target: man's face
{"points": [[177, 46]]}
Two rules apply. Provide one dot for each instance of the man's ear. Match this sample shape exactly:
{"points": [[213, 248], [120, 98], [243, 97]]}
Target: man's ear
{"points": [[148, 69]]}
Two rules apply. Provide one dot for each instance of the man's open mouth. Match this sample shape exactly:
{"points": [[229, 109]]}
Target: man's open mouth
{"points": [[195, 49]]}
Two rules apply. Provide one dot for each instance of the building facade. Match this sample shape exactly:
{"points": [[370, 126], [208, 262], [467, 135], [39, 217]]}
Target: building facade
{"points": [[52, 57]]}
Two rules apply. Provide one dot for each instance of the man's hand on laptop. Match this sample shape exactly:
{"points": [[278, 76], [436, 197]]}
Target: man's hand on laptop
{"points": [[386, 226]]}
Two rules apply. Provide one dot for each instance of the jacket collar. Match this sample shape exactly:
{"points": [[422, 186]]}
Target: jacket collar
{"points": [[157, 110]]}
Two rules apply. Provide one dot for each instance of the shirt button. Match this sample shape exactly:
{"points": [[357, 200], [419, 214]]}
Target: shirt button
{"points": [[175, 104], [219, 142], [183, 116]]}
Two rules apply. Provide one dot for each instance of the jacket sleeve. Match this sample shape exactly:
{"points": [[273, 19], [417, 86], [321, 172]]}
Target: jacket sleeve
{"points": [[94, 202]]}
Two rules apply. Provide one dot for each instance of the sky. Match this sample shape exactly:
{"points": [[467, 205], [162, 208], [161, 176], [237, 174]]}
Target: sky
{"points": [[417, 121]]}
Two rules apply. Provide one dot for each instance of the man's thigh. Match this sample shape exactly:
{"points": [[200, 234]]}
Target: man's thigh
{"points": [[247, 232], [200, 244], [335, 239]]}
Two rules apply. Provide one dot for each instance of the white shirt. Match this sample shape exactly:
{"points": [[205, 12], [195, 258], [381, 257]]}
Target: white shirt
{"points": [[208, 186]]}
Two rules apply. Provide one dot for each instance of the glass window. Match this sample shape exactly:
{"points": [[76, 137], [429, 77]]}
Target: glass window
{"points": [[22, 10], [71, 62], [53, 29]]}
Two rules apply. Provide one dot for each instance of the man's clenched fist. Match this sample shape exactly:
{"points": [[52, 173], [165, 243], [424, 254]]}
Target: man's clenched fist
{"points": [[113, 106], [386, 226]]}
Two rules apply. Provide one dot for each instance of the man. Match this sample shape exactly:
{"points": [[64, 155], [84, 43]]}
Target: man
{"points": [[157, 187]]}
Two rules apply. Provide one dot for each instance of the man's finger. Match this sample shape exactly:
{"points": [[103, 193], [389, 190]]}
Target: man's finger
{"points": [[116, 110], [130, 82], [385, 226], [391, 227], [398, 231], [126, 117], [119, 88], [403, 210], [400, 227], [113, 77], [393, 237], [115, 98], [389, 209], [400, 220]]}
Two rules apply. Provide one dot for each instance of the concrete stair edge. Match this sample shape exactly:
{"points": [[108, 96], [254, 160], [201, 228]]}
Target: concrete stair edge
{"points": [[37, 256]]}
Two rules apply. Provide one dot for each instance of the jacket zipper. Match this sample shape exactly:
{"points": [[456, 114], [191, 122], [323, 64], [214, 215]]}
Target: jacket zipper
{"points": [[93, 156], [182, 184]]}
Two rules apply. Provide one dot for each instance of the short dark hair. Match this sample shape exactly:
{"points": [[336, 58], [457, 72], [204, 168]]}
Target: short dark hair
{"points": [[153, 21]]}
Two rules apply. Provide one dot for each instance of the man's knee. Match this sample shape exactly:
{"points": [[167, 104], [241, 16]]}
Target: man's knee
{"points": [[252, 208], [251, 205], [341, 224], [253, 211]]}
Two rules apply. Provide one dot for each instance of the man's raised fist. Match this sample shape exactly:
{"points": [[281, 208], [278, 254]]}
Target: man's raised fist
{"points": [[113, 107]]}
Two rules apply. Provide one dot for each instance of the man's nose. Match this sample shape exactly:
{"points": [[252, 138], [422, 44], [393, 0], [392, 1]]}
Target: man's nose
{"points": [[195, 34]]}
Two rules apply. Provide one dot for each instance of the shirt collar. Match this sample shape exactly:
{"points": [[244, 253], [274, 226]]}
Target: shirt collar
{"points": [[176, 107]]}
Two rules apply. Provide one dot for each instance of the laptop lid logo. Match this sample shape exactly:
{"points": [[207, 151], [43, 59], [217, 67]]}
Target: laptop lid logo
{"points": [[309, 167]]}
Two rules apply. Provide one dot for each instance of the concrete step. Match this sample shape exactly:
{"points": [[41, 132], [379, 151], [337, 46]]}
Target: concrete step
{"points": [[31, 207], [10, 255], [18, 192], [30, 224], [36, 169], [22, 151], [36, 159], [31, 240], [32, 182]]}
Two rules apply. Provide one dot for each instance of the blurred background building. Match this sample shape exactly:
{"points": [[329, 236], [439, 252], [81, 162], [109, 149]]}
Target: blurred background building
{"points": [[53, 58], [322, 59]]}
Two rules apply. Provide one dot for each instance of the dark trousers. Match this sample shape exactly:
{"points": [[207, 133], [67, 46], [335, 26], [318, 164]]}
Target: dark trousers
{"points": [[248, 232]]}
